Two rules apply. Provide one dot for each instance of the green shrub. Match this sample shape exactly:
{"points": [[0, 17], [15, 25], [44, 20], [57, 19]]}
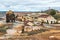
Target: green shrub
{"points": [[3, 29]]}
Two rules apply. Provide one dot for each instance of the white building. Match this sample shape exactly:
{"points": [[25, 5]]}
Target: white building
{"points": [[46, 18]]}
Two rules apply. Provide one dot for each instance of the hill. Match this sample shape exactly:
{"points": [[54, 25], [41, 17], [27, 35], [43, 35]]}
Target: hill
{"points": [[49, 11]]}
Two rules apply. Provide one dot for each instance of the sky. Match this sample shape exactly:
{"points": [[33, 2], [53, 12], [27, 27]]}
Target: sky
{"points": [[29, 5]]}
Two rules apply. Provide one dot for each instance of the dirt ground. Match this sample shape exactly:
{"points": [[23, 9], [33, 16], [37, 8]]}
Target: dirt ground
{"points": [[47, 34], [40, 36]]}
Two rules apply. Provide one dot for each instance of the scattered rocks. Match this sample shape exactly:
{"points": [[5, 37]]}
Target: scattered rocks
{"points": [[11, 31], [52, 38], [28, 29], [2, 24]]}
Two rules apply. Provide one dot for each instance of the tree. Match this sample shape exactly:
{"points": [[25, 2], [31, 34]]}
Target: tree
{"points": [[57, 16], [9, 15], [51, 12]]}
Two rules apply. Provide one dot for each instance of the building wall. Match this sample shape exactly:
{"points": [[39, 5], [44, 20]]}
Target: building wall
{"points": [[49, 18]]}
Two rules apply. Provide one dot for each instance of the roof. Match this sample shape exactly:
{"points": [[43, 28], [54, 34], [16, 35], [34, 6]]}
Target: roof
{"points": [[44, 16]]}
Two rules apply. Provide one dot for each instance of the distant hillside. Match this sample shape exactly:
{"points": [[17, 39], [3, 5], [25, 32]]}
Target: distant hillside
{"points": [[2, 12], [35, 11], [49, 10]]}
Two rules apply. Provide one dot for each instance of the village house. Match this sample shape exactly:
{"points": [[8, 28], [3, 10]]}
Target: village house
{"points": [[47, 18]]}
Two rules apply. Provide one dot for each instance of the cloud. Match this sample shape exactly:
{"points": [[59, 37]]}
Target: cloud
{"points": [[29, 5]]}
